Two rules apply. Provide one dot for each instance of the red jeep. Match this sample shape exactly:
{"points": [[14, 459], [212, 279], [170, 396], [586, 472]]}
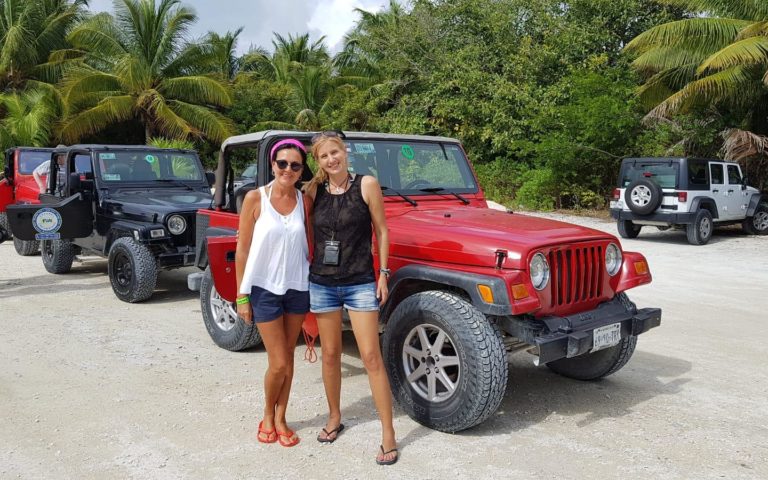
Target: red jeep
{"points": [[469, 284], [19, 186]]}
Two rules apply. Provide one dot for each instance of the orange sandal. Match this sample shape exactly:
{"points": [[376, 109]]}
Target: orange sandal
{"points": [[271, 437], [289, 435]]}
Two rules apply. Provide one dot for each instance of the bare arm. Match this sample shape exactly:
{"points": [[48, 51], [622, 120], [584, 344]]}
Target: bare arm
{"points": [[38, 180], [372, 196], [248, 216]]}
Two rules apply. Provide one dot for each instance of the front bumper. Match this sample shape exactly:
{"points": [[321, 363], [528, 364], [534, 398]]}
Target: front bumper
{"points": [[571, 336], [176, 259]]}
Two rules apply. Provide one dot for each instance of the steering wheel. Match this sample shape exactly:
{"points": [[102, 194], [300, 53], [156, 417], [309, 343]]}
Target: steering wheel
{"points": [[416, 184]]}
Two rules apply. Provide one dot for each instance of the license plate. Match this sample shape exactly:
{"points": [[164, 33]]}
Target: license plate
{"points": [[617, 204], [607, 336]]}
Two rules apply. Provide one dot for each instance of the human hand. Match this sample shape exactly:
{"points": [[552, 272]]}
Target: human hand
{"points": [[382, 289], [244, 311]]}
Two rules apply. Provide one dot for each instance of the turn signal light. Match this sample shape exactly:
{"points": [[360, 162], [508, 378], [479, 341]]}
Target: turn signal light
{"points": [[519, 291], [485, 293], [616, 194], [682, 197], [641, 268]]}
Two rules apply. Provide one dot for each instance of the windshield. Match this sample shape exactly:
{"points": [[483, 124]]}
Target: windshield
{"points": [[664, 174], [148, 165], [409, 167], [28, 161], [249, 172]]}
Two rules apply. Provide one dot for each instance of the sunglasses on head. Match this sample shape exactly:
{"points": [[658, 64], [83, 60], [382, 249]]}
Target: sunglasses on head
{"points": [[328, 133], [283, 164]]}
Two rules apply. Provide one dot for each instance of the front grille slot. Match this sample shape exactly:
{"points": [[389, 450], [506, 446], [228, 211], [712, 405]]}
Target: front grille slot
{"points": [[576, 274]]}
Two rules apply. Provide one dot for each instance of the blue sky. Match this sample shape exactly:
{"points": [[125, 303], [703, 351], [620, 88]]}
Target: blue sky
{"points": [[332, 18]]}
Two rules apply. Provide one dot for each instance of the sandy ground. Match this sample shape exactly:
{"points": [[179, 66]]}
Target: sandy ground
{"points": [[93, 388]]}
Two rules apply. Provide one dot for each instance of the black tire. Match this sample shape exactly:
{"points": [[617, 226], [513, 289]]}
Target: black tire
{"points": [[225, 327], [57, 255], [470, 388], [757, 224], [5, 226], [700, 231], [132, 270], [643, 196], [593, 366], [26, 248], [627, 229]]}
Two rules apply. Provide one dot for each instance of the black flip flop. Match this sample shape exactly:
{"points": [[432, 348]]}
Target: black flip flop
{"points": [[336, 430], [383, 453]]}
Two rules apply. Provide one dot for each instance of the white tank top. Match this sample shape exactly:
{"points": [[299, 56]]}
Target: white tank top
{"points": [[279, 257]]}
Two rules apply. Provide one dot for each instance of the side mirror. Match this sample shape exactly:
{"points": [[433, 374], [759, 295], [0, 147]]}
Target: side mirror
{"points": [[74, 182], [211, 177], [744, 182]]}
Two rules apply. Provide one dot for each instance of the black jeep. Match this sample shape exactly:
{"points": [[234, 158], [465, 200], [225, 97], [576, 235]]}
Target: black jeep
{"points": [[133, 204]]}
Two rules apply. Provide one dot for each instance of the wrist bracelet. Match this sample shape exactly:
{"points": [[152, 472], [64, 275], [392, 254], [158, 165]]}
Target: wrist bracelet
{"points": [[242, 300], [385, 271]]}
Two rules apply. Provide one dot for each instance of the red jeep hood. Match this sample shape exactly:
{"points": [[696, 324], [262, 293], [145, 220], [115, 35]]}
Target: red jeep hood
{"points": [[471, 236]]}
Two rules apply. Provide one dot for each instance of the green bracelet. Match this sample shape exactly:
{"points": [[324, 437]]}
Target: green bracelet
{"points": [[242, 300]]}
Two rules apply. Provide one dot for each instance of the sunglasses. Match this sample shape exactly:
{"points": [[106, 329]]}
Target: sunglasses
{"points": [[283, 164], [328, 133]]}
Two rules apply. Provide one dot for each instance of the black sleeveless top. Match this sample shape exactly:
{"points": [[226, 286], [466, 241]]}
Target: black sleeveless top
{"points": [[353, 232]]}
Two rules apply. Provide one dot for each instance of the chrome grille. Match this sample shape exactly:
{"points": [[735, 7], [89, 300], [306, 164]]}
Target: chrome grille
{"points": [[576, 274]]}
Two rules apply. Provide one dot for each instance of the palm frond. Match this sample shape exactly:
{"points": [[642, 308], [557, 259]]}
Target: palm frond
{"points": [[708, 32], [742, 144], [754, 10], [199, 90], [749, 51], [111, 110], [100, 35], [712, 89], [210, 124]]}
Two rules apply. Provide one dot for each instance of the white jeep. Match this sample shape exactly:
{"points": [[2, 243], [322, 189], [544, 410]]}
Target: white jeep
{"points": [[691, 193]]}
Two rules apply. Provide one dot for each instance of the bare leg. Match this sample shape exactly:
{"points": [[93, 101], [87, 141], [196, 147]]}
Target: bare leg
{"points": [[275, 342], [292, 327], [365, 325], [329, 326]]}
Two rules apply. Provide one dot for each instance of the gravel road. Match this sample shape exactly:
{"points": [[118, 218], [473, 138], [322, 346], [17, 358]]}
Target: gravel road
{"points": [[93, 388]]}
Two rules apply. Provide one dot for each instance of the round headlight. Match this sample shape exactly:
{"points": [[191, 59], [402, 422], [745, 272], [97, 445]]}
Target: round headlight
{"points": [[613, 259], [539, 271], [177, 224]]}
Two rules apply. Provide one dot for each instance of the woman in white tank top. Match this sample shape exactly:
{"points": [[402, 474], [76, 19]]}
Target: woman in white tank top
{"points": [[272, 268]]}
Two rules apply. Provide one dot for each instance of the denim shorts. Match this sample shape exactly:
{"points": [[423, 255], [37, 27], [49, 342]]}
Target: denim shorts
{"points": [[267, 306], [358, 298]]}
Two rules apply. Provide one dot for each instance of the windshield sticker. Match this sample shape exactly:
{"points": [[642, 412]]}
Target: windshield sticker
{"points": [[364, 148], [150, 158], [111, 176], [407, 152], [107, 156]]}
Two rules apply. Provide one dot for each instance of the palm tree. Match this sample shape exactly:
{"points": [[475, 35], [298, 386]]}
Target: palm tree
{"points": [[29, 32], [136, 67], [290, 55], [717, 57], [26, 118]]}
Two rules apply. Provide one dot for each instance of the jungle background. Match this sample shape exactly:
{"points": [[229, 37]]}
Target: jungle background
{"points": [[547, 96]]}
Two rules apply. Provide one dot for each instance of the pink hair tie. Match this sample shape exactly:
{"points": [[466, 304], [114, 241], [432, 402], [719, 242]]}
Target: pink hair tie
{"points": [[287, 141]]}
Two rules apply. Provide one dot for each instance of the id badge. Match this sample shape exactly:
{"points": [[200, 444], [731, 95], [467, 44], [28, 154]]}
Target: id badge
{"points": [[331, 253]]}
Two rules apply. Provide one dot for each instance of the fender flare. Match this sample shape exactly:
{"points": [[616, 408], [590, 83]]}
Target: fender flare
{"points": [[754, 201], [405, 280], [123, 228], [708, 202]]}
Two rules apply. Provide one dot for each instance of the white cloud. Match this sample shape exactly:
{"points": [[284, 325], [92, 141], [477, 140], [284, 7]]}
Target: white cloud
{"points": [[260, 18]]}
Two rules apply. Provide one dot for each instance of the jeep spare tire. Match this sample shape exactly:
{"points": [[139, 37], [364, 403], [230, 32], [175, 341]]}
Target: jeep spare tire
{"points": [[446, 362], [132, 270], [643, 196]]}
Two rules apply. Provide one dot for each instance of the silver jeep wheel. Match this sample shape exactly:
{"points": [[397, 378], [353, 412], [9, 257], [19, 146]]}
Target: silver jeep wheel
{"points": [[430, 363], [760, 221], [705, 228], [641, 195], [224, 314]]}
